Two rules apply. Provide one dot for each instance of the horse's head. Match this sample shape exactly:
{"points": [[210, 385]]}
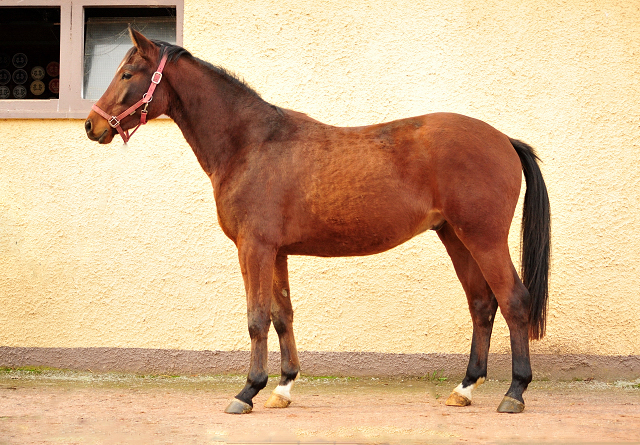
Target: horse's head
{"points": [[127, 102]]}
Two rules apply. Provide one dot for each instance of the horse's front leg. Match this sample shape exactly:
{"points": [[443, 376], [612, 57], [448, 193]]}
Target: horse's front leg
{"points": [[257, 265], [282, 317]]}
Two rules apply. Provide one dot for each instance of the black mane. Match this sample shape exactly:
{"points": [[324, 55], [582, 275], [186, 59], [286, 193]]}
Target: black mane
{"points": [[174, 52]]}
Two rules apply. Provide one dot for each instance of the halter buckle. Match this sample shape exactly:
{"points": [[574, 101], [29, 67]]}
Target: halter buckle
{"points": [[114, 122], [156, 78]]}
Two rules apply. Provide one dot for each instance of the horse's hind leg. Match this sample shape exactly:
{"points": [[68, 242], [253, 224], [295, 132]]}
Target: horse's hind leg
{"points": [[482, 305], [282, 318], [494, 260]]}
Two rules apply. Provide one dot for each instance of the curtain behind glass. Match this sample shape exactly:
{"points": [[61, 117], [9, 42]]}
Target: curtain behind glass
{"points": [[107, 41]]}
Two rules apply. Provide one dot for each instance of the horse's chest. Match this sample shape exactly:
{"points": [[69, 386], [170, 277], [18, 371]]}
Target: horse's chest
{"points": [[248, 212]]}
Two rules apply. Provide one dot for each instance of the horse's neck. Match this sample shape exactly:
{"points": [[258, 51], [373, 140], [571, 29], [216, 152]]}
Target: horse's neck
{"points": [[216, 118]]}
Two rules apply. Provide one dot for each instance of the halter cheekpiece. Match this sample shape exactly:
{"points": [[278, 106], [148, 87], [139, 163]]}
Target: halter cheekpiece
{"points": [[114, 121]]}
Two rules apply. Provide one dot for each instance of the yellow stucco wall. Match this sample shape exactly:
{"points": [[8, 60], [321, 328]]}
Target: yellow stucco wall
{"points": [[119, 247]]}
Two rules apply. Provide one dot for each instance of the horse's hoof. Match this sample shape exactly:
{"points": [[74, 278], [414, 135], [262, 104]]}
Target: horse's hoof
{"points": [[277, 401], [510, 405], [456, 399], [238, 407]]}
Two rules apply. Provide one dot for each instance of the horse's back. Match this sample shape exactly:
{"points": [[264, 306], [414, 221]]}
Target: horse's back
{"points": [[446, 159]]}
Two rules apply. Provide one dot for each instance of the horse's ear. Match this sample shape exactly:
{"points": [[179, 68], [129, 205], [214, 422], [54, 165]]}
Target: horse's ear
{"points": [[144, 45]]}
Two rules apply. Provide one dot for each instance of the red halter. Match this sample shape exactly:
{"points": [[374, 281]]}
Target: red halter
{"points": [[114, 121]]}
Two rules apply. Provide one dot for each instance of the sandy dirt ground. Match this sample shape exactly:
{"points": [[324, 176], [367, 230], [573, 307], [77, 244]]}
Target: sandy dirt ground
{"points": [[58, 407]]}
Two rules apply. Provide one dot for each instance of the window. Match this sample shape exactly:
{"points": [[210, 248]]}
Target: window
{"points": [[58, 57], [30, 63], [106, 40]]}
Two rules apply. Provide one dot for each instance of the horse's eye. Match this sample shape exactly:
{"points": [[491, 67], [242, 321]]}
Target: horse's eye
{"points": [[127, 75]]}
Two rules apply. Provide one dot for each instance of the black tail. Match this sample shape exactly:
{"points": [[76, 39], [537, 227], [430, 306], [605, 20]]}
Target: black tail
{"points": [[535, 239]]}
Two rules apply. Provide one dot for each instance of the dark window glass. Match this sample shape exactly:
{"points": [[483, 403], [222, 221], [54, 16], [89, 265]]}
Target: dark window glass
{"points": [[29, 53]]}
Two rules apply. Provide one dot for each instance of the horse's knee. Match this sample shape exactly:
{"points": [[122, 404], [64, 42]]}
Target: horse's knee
{"points": [[281, 323], [258, 327]]}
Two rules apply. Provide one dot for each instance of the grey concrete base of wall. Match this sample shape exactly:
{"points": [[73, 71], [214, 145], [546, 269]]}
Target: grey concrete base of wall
{"points": [[164, 361]]}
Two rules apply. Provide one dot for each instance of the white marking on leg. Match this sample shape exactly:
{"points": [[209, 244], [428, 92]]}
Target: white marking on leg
{"points": [[284, 390], [466, 391]]}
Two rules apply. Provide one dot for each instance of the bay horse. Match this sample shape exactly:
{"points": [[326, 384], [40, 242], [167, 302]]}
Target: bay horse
{"points": [[286, 184]]}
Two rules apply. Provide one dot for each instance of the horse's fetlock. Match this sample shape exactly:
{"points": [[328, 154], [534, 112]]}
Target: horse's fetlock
{"points": [[523, 376], [258, 381], [526, 378], [474, 378], [289, 375]]}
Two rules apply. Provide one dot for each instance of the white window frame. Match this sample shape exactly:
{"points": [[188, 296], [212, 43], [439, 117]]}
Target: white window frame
{"points": [[70, 103]]}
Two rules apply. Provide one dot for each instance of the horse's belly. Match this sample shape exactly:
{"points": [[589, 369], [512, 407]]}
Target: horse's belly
{"points": [[339, 247], [362, 235]]}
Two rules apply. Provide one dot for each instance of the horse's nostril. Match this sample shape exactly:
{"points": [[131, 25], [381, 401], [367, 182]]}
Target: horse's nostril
{"points": [[87, 125]]}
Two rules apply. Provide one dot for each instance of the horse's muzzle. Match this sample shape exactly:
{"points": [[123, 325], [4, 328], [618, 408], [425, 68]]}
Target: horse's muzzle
{"points": [[101, 135]]}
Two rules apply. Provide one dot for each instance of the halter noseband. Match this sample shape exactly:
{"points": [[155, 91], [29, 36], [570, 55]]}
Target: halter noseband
{"points": [[114, 121]]}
